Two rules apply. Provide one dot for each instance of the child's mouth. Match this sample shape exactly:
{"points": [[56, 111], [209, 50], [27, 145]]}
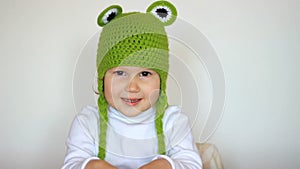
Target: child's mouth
{"points": [[131, 102]]}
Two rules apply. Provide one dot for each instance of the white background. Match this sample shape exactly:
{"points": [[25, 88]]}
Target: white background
{"points": [[258, 44]]}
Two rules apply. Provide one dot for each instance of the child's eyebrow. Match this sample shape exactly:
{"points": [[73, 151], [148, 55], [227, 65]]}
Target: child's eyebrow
{"points": [[147, 70]]}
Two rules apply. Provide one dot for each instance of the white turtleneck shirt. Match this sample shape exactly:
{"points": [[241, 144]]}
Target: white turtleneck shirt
{"points": [[131, 141]]}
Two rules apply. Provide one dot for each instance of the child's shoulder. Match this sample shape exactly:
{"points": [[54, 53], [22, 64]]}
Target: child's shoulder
{"points": [[88, 113], [86, 120], [174, 113], [173, 110]]}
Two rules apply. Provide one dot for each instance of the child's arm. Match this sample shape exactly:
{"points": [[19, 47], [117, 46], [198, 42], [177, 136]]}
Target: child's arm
{"points": [[157, 164], [181, 148], [99, 164], [81, 142], [182, 152]]}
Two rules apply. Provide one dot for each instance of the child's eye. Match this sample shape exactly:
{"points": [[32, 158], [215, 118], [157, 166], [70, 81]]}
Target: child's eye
{"points": [[120, 73], [145, 74]]}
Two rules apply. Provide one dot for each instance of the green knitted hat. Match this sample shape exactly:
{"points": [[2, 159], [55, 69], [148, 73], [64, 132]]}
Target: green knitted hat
{"points": [[134, 39]]}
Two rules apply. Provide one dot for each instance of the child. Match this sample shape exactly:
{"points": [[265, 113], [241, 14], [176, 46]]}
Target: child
{"points": [[133, 126]]}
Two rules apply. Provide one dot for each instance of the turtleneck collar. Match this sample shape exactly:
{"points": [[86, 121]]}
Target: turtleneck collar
{"points": [[147, 116]]}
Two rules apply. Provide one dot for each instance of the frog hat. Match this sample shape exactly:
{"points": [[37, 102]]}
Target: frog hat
{"points": [[134, 39]]}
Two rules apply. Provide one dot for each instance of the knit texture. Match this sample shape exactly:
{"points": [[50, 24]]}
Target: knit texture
{"points": [[133, 39]]}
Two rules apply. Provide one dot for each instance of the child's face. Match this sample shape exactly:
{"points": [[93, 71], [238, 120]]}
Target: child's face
{"points": [[131, 90]]}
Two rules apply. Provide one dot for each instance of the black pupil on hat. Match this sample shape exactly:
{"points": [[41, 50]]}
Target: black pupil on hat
{"points": [[111, 16], [162, 12]]}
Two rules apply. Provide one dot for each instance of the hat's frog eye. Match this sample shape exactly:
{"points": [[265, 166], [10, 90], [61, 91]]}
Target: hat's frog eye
{"points": [[164, 11], [109, 14]]}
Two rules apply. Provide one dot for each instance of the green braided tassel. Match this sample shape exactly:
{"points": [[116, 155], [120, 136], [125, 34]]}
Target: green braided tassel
{"points": [[102, 104], [160, 110]]}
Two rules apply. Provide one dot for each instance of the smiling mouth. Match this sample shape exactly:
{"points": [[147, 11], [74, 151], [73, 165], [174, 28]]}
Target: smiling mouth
{"points": [[131, 102]]}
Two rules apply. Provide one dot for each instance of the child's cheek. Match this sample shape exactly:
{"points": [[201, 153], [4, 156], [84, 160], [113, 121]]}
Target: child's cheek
{"points": [[153, 96]]}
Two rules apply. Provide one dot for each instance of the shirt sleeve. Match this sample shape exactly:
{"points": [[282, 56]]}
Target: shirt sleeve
{"points": [[80, 142], [181, 148]]}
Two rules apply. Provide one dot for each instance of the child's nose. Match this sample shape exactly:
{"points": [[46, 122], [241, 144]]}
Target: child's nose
{"points": [[133, 85]]}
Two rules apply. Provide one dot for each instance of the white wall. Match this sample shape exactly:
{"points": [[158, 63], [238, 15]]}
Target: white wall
{"points": [[257, 42]]}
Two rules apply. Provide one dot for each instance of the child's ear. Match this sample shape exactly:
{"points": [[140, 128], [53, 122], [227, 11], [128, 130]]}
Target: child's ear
{"points": [[109, 14], [164, 11]]}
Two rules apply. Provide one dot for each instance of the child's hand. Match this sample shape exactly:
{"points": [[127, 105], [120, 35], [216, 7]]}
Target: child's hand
{"points": [[157, 164], [99, 164]]}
